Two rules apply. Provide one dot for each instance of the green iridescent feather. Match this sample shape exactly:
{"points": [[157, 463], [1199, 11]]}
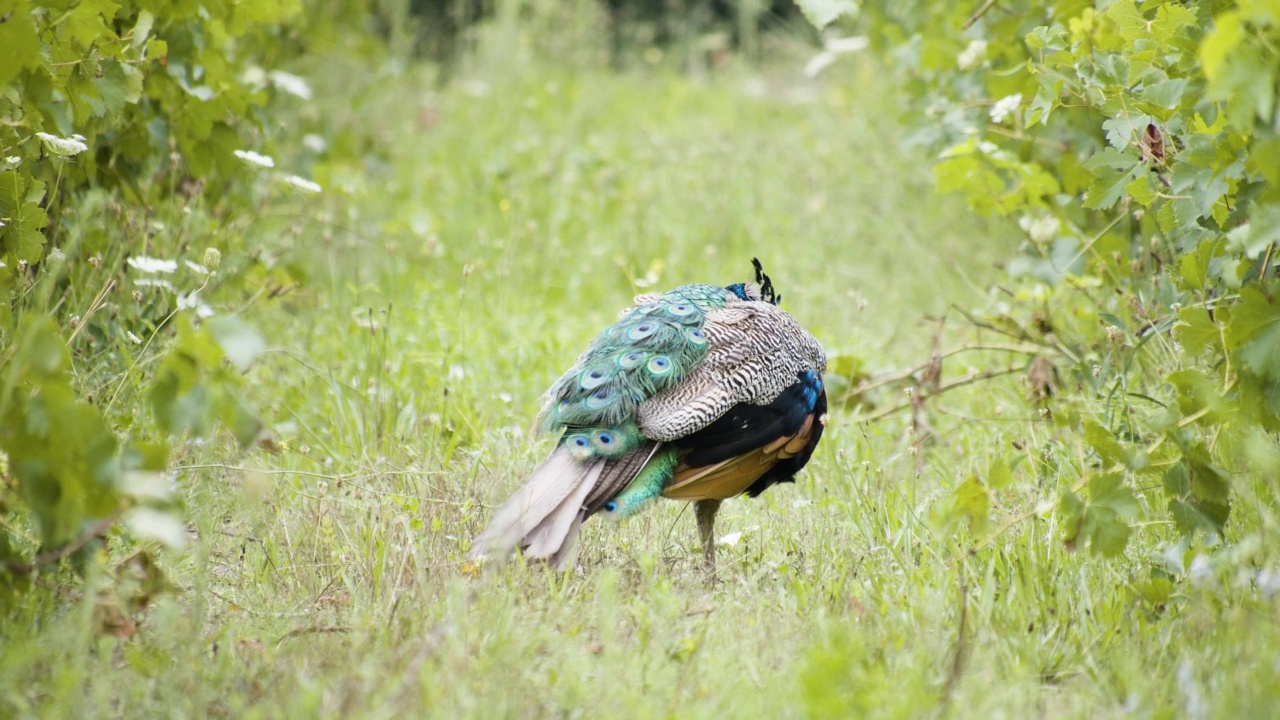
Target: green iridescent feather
{"points": [[646, 487], [650, 349]]}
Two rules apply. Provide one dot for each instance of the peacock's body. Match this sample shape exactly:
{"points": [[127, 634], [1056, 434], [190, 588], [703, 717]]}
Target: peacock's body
{"points": [[702, 393]]}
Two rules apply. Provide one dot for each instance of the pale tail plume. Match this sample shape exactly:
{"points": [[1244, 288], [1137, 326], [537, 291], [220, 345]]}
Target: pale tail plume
{"points": [[543, 516]]}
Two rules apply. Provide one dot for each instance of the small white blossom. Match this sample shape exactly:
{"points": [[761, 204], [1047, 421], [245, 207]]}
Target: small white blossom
{"points": [[315, 143], [1005, 106], [254, 158], [731, 539], [820, 62], [12, 161], [1269, 581], [456, 372], [856, 43], [255, 77], [191, 301], [1041, 229], [973, 55], [141, 263], [133, 338], [290, 83], [1201, 570], [63, 147], [196, 267], [301, 183], [154, 282]]}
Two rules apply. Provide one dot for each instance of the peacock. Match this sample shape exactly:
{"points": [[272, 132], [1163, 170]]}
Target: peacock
{"points": [[702, 393]]}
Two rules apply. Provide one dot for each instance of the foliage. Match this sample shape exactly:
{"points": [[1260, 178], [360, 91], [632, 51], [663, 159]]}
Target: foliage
{"points": [[119, 118], [1136, 144]]}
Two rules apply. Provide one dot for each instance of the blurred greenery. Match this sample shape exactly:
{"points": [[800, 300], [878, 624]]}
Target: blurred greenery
{"points": [[277, 333]]}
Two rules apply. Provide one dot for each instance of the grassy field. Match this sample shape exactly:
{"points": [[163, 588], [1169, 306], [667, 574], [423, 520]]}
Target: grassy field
{"points": [[485, 233]]}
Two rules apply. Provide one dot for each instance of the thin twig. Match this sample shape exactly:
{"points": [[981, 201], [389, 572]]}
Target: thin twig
{"points": [[95, 306], [962, 647], [976, 377], [53, 556], [314, 630], [978, 14]]}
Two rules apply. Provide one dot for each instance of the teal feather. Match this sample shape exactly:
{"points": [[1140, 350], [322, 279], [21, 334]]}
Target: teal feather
{"points": [[646, 487], [647, 351]]}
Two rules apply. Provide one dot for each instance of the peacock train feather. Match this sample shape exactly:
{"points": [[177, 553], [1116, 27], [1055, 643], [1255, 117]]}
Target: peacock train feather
{"points": [[701, 393]]}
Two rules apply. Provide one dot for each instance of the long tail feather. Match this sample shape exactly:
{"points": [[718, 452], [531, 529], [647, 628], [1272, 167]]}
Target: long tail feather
{"points": [[550, 489]]}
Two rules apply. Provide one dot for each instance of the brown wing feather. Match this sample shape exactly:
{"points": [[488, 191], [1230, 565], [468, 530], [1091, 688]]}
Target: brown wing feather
{"points": [[733, 476]]}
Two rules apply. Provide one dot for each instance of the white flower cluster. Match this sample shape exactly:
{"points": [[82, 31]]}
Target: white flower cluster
{"points": [[973, 55], [301, 183], [62, 147], [1042, 229], [266, 161], [1005, 107], [141, 263], [253, 158], [290, 83]]}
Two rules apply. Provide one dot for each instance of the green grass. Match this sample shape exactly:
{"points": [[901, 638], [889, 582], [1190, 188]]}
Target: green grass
{"points": [[470, 243]]}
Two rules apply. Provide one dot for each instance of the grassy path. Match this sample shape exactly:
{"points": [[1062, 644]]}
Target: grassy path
{"points": [[485, 234]]}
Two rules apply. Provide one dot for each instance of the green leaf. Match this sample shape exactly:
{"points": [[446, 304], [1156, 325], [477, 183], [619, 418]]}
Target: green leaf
{"points": [[240, 342], [1192, 512], [1105, 444], [142, 29], [972, 502], [1228, 31], [19, 46], [821, 13], [999, 474], [1109, 186], [85, 22], [1254, 333]]}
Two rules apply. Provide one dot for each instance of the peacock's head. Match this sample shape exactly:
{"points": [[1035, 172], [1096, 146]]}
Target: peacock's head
{"points": [[761, 289]]}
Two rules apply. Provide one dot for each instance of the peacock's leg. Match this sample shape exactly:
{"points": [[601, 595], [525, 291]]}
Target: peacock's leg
{"points": [[706, 512]]}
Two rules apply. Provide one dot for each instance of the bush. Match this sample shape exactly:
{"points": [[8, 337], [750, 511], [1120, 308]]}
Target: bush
{"points": [[1138, 147], [122, 156]]}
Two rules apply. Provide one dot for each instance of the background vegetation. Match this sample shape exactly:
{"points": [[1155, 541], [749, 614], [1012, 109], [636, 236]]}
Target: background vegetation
{"points": [[284, 286]]}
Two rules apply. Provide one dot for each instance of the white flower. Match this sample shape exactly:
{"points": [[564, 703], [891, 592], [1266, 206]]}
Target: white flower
{"points": [[1269, 581], [856, 43], [301, 183], [254, 158], [1004, 106], [731, 539], [290, 83], [1201, 570], [820, 62], [1042, 229], [254, 76], [62, 147], [973, 55], [145, 264], [196, 267], [457, 372], [191, 301], [12, 161], [315, 143], [133, 338]]}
